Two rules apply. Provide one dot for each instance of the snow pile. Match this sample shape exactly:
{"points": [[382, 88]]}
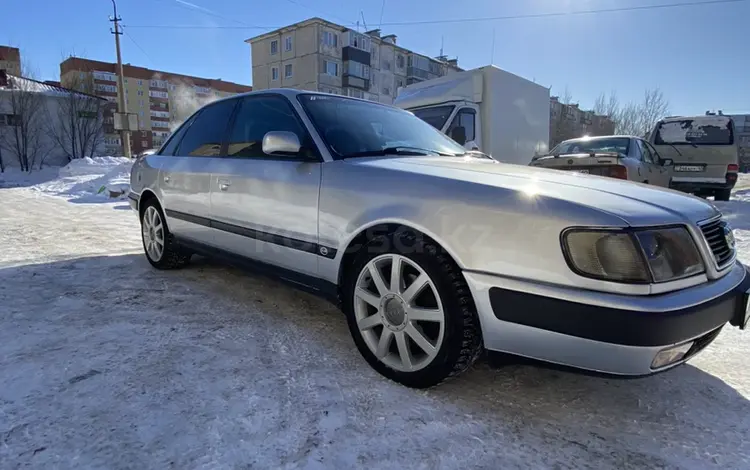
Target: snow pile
{"points": [[97, 179], [91, 166]]}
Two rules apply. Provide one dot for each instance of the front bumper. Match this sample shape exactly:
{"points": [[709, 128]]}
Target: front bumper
{"points": [[609, 333]]}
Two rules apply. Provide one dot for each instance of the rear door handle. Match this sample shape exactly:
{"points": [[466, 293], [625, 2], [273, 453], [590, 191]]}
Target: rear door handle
{"points": [[166, 179], [224, 184]]}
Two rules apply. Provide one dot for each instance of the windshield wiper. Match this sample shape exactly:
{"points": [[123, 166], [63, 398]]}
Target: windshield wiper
{"points": [[400, 150]]}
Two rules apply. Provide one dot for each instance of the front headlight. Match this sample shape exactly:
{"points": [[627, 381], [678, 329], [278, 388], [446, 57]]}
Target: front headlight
{"points": [[634, 256]]}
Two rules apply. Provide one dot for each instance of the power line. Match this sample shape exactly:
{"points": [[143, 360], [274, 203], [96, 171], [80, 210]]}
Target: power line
{"points": [[570, 13], [124, 30], [473, 20]]}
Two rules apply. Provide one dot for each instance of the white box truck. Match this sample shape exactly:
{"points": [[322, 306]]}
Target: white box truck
{"points": [[485, 109]]}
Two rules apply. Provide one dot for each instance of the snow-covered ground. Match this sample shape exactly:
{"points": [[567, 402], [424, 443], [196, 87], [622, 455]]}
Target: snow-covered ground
{"points": [[107, 363]]}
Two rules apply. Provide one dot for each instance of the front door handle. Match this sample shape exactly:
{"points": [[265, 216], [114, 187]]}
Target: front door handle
{"points": [[166, 179], [224, 184]]}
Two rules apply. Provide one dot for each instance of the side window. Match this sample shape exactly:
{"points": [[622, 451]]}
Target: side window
{"points": [[206, 134], [646, 152], [465, 118], [256, 117], [171, 146]]}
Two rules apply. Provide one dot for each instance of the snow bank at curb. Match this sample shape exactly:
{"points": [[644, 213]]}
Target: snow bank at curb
{"points": [[92, 166], [98, 179]]}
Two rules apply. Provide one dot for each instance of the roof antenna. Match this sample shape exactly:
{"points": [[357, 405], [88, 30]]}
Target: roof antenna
{"points": [[492, 59], [363, 19], [382, 9], [442, 40]]}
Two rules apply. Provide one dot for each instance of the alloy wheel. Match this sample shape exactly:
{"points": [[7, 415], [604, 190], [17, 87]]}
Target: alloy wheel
{"points": [[152, 229], [399, 313]]}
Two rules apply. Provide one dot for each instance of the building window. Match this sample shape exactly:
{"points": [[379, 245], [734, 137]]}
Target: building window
{"points": [[399, 83], [400, 61], [332, 68], [140, 92], [274, 47], [354, 93], [330, 39], [288, 43], [288, 71], [386, 91], [386, 65], [358, 69], [144, 143], [360, 41], [274, 73], [140, 82]]}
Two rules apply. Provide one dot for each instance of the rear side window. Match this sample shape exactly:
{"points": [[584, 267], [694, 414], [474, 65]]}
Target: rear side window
{"points": [[206, 134], [174, 141], [257, 116]]}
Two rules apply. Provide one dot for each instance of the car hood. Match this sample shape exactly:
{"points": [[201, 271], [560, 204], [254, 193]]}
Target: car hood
{"points": [[636, 204]]}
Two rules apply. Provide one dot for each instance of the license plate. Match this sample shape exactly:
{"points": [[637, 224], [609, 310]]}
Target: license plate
{"points": [[580, 171], [688, 168]]}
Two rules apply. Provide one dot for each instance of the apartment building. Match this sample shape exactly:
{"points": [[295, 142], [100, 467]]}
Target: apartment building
{"points": [[568, 121], [10, 60], [162, 100], [319, 55]]}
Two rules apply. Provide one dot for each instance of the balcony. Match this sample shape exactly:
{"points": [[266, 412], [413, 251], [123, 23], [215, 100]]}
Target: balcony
{"points": [[419, 73], [356, 55], [355, 82]]}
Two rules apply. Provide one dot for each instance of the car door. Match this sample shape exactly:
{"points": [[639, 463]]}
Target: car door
{"points": [[659, 173], [265, 207], [185, 178]]}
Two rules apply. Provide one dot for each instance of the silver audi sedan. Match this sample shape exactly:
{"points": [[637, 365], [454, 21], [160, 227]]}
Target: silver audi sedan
{"points": [[435, 254]]}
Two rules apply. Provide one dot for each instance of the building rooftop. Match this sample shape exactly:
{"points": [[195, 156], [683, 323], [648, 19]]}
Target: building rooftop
{"points": [[78, 64], [13, 82]]}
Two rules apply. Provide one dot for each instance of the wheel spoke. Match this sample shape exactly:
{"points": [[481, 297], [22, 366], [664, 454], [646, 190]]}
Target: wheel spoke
{"points": [[377, 279], [415, 288], [384, 343], [396, 275], [154, 217], [424, 314], [403, 350], [371, 299], [369, 322], [419, 339]]}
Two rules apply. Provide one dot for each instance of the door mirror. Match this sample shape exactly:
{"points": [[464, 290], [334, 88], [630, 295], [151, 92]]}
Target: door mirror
{"points": [[458, 134], [666, 162], [281, 142]]}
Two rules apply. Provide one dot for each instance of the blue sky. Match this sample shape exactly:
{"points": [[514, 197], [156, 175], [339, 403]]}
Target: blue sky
{"points": [[697, 55]]}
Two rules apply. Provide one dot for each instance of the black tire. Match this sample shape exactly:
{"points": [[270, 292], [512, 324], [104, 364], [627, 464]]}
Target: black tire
{"points": [[722, 194], [462, 342], [173, 257]]}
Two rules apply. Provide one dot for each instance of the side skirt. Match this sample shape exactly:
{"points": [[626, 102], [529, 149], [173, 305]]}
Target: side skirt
{"points": [[313, 285]]}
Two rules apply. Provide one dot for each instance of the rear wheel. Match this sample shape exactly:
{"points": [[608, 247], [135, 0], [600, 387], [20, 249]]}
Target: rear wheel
{"points": [[722, 194], [410, 312], [161, 250]]}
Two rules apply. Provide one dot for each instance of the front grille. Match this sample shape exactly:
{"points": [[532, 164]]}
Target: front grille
{"points": [[702, 342], [714, 232]]}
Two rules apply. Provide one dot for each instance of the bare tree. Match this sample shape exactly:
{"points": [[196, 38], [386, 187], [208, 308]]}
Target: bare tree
{"points": [[76, 124], [23, 104], [633, 118]]}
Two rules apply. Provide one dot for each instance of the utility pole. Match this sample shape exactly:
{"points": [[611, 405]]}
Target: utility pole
{"points": [[123, 107]]}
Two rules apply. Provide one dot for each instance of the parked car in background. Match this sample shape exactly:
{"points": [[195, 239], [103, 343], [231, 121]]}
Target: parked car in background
{"points": [[704, 150], [433, 253], [623, 157]]}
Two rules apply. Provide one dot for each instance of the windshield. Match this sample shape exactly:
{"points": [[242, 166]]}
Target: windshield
{"points": [[354, 127], [436, 117], [701, 130], [613, 144]]}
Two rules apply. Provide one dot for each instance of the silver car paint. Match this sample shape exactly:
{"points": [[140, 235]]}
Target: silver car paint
{"points": [[501, 223]]}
